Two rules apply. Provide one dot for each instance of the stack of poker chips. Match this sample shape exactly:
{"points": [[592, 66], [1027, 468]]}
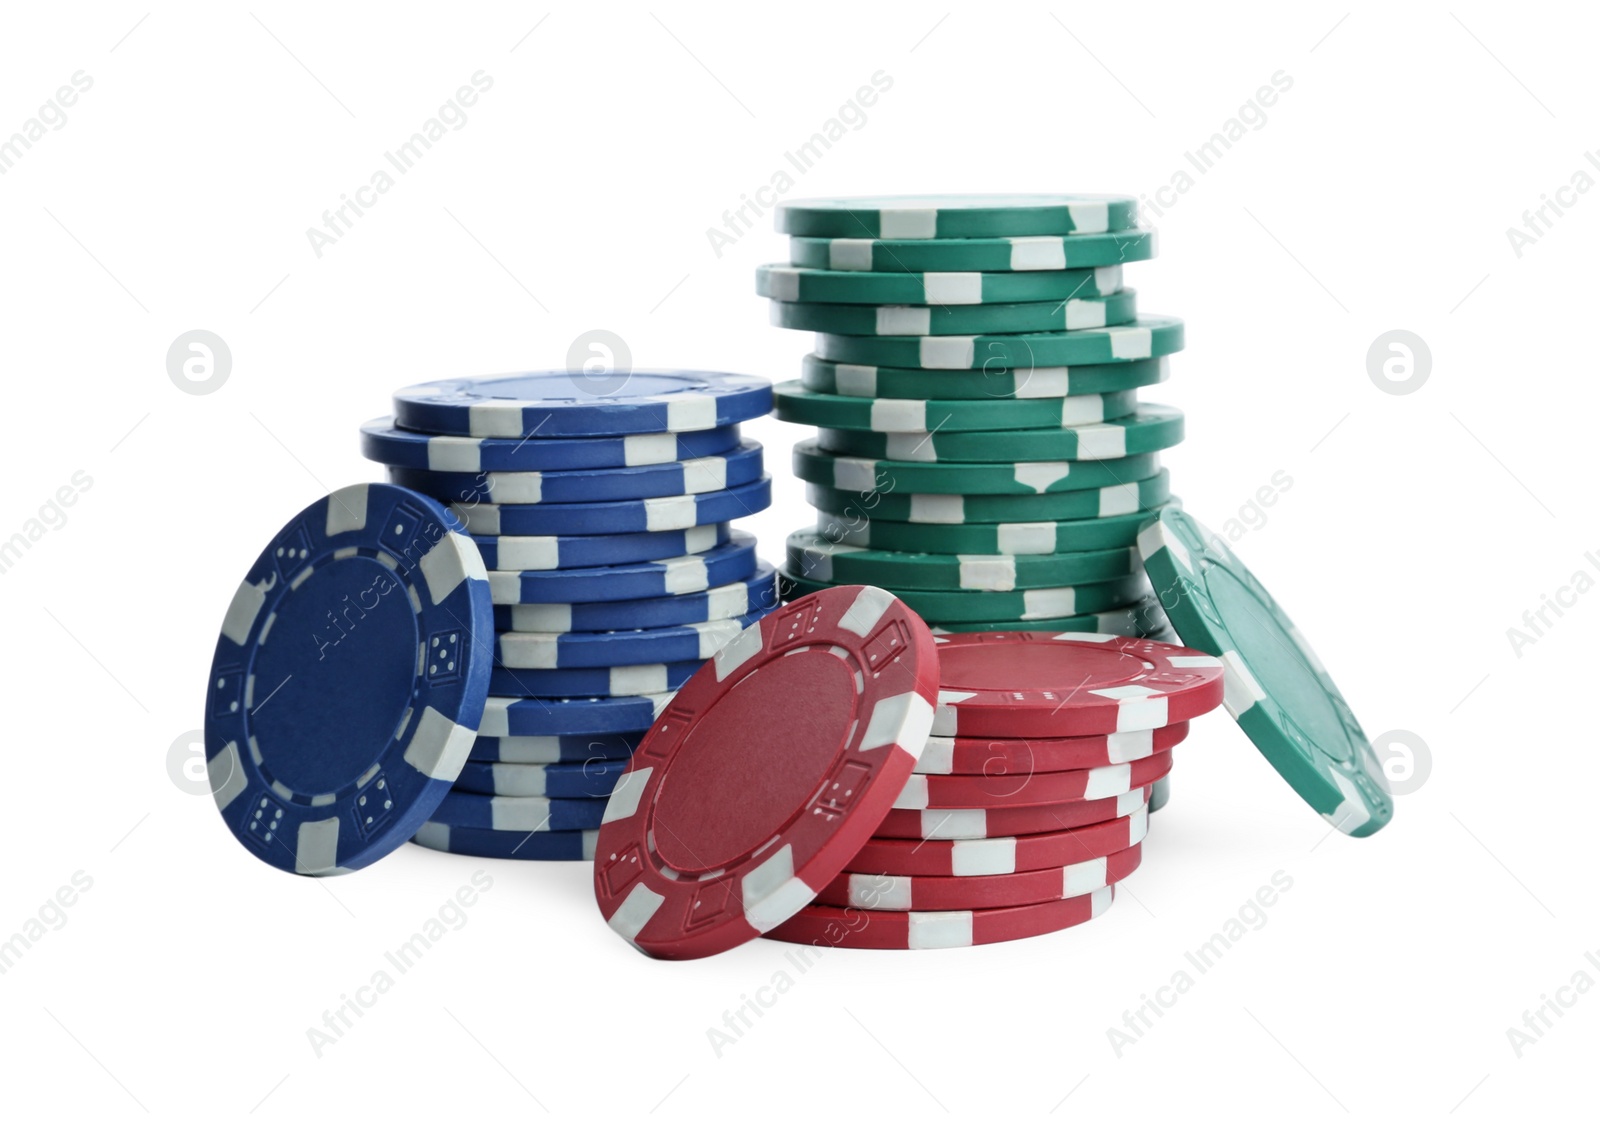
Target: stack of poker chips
{"points": [[982, 451], [1029, 802], [602, 514]]}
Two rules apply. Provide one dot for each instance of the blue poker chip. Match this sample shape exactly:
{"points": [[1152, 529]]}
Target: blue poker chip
{"points": [[566, 404], [616, 681], [348, 680], [567, 487], [594, 779], [526, 815], [566, 845], [681, 575], [553, 749], [648, 515], [548, 553], [382, 441], [695, 642], [755, 595], [569, 716]]}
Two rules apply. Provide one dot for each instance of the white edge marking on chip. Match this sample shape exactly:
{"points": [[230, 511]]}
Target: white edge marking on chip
{"points": [[783, 282], [952, 289], [908, 222], [685, 574], [856, 379], [860, 474], [700, 538], [983, 857], [988, 573], [439, 746], [635, 911], [1117, 500], [649, 449], [1081, 314], [1090, 218], [938, 755], [525, 815], [1241, 691], [667, 513], [1103, 440], [1152, 539], [703, 475], [929, 931], [772, 893], [864, 613], [899, 415], [1083, 877], [1107, 782], [740, 650], [903, 320], [242, 612], [881, 891], [1131, 343], [937, 824], [317, 847], [528, 553], [636, 680], [1050, 602], [714, 635], [434, 835], [225, 773], [914, 795], [1026, 539], [850, 254], [690, 412], [1138, 824], [1038, 252], [914, 447], [1040, 476], [495, 720], [1044, 383], [946, 352], [1126, 747], [625, 795], [495, 420], [454, 454], [1108, 279], [938, 508], [347, 510], [903, 721]]}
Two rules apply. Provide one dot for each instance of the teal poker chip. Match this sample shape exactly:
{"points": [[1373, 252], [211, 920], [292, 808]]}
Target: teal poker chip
{"points": [[1041, 603], [889, 475], [795, 404], [1023, 538], [999, 508], [957, 216], [814, 557], [1037, 252], [1151, 428], [1277, 690], [989, 383], [1150, 336], [782, 282], [951, 320]]}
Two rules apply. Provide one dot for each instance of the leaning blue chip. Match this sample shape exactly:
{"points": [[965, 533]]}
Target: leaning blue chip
{"points": [[587, 650], [596, 778], [528, 815], [616, 681], [349, 680], [564, 845], [567, 404], [549, 553], [755, 595], [740, 466], [553, 749], [649, 515], [569, 716], [651, 579], [382, 441]]}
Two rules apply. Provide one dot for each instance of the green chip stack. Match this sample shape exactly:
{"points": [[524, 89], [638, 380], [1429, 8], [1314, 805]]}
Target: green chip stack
{"points": [[982, 451]]}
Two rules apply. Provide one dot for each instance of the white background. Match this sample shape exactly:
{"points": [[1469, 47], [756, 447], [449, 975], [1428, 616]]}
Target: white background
{"points": [[577, 196]]}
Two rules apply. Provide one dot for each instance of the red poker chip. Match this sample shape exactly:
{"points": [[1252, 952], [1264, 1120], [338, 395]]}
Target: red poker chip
{"points": [[885, 892], [823, 926], [1039, 684], [767, 773], [955, 792], [976, 755], [996, 855], [1008, 821]]}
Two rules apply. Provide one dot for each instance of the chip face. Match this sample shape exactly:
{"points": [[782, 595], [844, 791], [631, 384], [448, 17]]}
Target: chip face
{"points": [[767, 773], [1277, 690], [349, 680]]}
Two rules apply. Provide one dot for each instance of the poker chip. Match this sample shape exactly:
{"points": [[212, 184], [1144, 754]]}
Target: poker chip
{"points": [[813, 557], [1042, 602], [889, 892], [463, 810], [1007, 821], [1083, 312], [1038, 684], [617, 681], [382, 441], [754, 595], [553, 749], [591, 779], [1037, 252], [782, 282], [957, 217], [991, 382], [1041, 788], [694, 642], [795, 404], [649, 514], [992, 856], [998, 759], [1008, 538], [823, 926], [768, 773], [1277, 690], [570, 716], [888, 475], [348, 679], [511, 845], [1149, 336], [1142, 619], [699, 571], [577, 404], [549, 553], [956, 508], [1149, 429]]}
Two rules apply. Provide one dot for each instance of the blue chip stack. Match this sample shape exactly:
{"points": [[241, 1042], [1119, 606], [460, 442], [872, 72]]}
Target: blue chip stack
{"points": [[601, 506]]}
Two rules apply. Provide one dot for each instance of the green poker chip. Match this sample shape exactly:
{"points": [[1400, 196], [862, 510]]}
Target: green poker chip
{"points": [[1277, 690], [795, 404], [951, 320], [1022, 606], [1149, 429], [980, 508], [1035, 252], [1021, 538], [888, 475], [1147, 337], [957, 216], [783, 282], [988, 383], [1143, 619], [813, 557]]}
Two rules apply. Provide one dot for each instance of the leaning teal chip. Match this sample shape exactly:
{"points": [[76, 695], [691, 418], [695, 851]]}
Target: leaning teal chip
{"points": [[1277, 690]]}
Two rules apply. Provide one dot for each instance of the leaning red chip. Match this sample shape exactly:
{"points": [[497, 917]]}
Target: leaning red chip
{"points": [[900, 931], [1041, 684], [955, 792], [984, 755], [887, 892], [1008, 821], [995, 855], [767, 773]]}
